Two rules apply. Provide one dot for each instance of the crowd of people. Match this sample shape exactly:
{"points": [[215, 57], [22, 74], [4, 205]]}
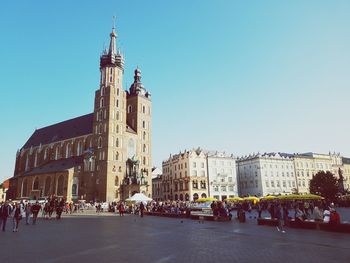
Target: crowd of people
{"points": [[282, 211]]}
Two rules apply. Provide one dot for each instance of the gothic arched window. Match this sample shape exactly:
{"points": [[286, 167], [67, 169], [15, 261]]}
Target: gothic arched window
{"points": [[79, 149], [99, 144], [47, 186], [60, 185], [36, 184], [102, 103], [25, 188]]}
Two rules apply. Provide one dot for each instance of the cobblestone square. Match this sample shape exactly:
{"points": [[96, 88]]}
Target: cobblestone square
{"points": [[110, 238]]}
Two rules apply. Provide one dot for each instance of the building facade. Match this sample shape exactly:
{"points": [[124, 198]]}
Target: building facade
{"points": [[185, 176], [346, 172], [222, 176], [265, 174], [105, 155], [308, 164]]}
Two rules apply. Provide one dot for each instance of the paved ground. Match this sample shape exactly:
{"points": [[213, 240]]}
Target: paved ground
{"points": [[91, 238]]}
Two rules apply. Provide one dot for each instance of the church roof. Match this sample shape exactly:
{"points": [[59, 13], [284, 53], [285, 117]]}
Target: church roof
{"points": [[57, 166], [76, 127]]}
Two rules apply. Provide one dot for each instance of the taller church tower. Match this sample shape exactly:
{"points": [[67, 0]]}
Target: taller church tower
{"points": [[122, 131], [109, 123]]}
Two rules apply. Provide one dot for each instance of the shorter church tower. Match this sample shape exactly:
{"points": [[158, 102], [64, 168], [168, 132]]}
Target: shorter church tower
{"points": [[139, 110]]}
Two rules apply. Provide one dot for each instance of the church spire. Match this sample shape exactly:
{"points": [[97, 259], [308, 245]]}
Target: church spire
{"points": [[112, 45], [113, 57]]}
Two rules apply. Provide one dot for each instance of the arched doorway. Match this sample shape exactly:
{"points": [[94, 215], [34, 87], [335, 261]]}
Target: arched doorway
{"points": [[181, 197], [204, 195], [195, 196], [187, 197]]}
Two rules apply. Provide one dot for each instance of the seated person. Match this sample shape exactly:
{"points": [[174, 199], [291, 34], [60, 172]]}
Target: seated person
{"points": [[334, 218], [299, 215], [318, 214], [326, 216]]}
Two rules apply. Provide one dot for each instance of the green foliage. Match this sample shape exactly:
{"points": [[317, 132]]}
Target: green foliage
{"points": [[324, 184]]}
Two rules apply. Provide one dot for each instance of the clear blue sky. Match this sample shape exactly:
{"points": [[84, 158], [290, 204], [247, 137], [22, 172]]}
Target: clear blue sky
{"points": [[240, 76]]}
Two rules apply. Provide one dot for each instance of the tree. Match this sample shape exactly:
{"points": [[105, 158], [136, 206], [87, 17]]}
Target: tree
{"points": [[324, 184]]}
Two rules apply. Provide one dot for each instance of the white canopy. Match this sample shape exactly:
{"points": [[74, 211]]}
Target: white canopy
{"points": [[138, 197]]}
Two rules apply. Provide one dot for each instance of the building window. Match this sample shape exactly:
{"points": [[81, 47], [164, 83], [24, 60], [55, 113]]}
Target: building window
{"points": [[194, 165], [117, 142], [99, 144], [68, 150], [143, 109], [79, 149], [202, 173], [117, 103], [194, 173], [102, 103], [202, 164], [223, 188], [143, 124], [195, 185], [36, 184], [111, 75]]}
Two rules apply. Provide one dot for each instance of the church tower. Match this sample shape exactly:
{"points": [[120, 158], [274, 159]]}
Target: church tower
{"points": [[109, 124], [139, 109]]}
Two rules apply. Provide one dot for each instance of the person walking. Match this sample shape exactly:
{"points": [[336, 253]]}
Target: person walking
{"points": [[142, 208], [28, 212], [5, 211], [279, 214], [35, 211], [121, 209], [17, 216]]}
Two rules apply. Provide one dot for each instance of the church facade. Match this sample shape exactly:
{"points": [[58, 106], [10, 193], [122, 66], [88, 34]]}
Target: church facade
{"points": [[105, 155]]}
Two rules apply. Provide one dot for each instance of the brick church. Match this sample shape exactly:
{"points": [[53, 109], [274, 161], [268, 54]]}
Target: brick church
{"points": [[105, 155]]}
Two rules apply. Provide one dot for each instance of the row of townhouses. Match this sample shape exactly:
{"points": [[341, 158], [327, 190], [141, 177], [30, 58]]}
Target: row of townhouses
{"points": [[197, 173]]}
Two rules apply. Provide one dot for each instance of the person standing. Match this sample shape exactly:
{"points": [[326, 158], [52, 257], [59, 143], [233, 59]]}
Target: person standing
{"points": [[121, 209], [28, 212], [17, 216], [279, 214], [5, 211], [35, 211], [142, 208]]}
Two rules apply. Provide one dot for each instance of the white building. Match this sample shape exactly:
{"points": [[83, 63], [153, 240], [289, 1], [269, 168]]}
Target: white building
{"points": [[222, 176], [264, 174]]}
